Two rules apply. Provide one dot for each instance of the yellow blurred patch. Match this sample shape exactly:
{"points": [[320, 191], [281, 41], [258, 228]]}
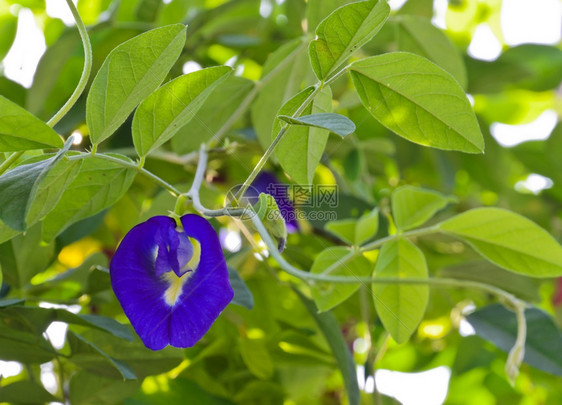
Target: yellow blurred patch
{"points": [[435, 328], [74, 254]]}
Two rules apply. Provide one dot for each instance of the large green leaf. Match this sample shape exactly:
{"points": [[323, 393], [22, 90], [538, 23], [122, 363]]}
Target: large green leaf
{"points": [[336, 123], [401, 307], [418, 100], [21, 130], [508, 240], [213, 114], [98, 185], [543, 346], [331, 331], [20, 186], [162, 114], [328, 295], [413, 206], [52, 188], [130, 73], [301, 148], [418, 35], [343, 32], [282, 76]]}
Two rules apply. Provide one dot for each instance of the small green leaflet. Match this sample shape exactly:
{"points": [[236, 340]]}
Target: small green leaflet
{"points": [[401, 307], [131, 72], [413, 206], [343, 32], [6, 233], [356, 232], [267, 210], [21, 130], [417, 100], [336, 123], [162, 114], [543, 346], [98, 185], [328, 295], [508, 240], [301, 148], [20, 185]]}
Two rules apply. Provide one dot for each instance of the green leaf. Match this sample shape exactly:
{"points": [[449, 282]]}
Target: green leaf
{"points": [[331, 331], [52, 188], [343, 229], [543, 346], [26, 392], [21, 130], [162, 114], [129, 74], [77, 341], [413, 206], [336, 123], [508, 240], [282, 75], [419, 36], [242, 294], [417, 100], [257, 358], [301, 148], [367, 227], [98, 185], [328, 295], [401, 307], [20, 186], [133, 356], [356, 231], [86, 388], [343, 32], [213, 114]]}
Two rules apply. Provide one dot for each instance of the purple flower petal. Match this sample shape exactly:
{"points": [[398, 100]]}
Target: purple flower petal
{"points": [[166, 301]]}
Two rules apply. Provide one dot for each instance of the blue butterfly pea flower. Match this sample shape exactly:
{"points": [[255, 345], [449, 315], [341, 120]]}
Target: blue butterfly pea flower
{"points": [[172, 283]]}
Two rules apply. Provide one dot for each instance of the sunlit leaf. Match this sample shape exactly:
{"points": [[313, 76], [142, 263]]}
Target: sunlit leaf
{"points": [[343, 32], [162, 114], [508, 240], [417, 100], [130, 73], [20, 130], [413, 206], [401, 307]]}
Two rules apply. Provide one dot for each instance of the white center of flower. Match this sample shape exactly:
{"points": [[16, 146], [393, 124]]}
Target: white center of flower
{"points": [[175, 288]]}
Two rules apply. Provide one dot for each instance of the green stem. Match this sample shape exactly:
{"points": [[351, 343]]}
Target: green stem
{"points": [[261, 163], [11, 159], [85, 71], [130, 165]]}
